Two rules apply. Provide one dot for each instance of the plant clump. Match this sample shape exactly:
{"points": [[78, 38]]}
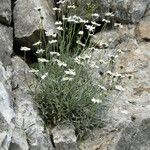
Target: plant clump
{"points": [[66, 91]]}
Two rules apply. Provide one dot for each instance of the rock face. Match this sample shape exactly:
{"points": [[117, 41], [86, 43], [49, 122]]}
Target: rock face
{"points": [[6, 44], [124, 11], [143, 29], [64, 137], [27, 122], [27, 20], [5, 11], [6, 100], [128, 114]]}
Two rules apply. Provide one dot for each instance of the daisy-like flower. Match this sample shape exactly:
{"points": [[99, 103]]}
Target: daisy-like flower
{"points": [[80, 32], [105, 20], [56, 9], [37, 43], [78, 61], [70, 72], [43, 60], [80, 43], [66, 79], [64, 18], [109, 73], [95, 24], [52, 41], [86, 56], [60, 28], [109, 14], [90, 28], [102, 87], [93, 65], [44, 76], [50, 33], [34, 71], [54, 54], [61, 2], [71, 6], [94, 100], [58, 23], [95, 15], [118, 25], [60, 63], [25, 49], [40, 51], [119, 88]]}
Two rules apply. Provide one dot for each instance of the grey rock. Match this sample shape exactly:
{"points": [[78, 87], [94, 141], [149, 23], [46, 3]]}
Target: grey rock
{"points": [[27, 118], [5, 11], [128, 112], [18, 140], [6, 44], [125, 11], [143, 28], [6, 107], [27, 20], [64, 137]]}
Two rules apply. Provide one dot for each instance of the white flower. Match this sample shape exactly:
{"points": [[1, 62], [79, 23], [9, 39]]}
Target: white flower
{"points": [[40, 51], [95, 15], [80, 43], [94, 100], [105, 20], [71, 6], [119, 88], [90, 28], [64, 18], [56, 9], [118, 25], [25, 49], [58, 23], [61, 2], [93, 65], [109, 72], [52, 41], [102, 87], [96, 24], [86, 56], [34, 71], [50, 33], [109, 14], [37, 43], [78, 61], [80, 32], [60, 63], [54, 53], [70, 72], [60, 28], [43, 60], [44, 76], [66, 79]]}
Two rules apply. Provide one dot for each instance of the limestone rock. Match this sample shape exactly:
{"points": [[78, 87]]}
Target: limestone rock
{"points": [[64, 137], [5, 11], [143, 29], [27, 20], [127, 112], [6, 44], [27, 118], [125, 11], [18, 140], [6, 107]]}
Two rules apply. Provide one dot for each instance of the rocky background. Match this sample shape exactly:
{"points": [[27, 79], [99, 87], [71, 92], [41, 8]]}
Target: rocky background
{"points": [[128, 112]]}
